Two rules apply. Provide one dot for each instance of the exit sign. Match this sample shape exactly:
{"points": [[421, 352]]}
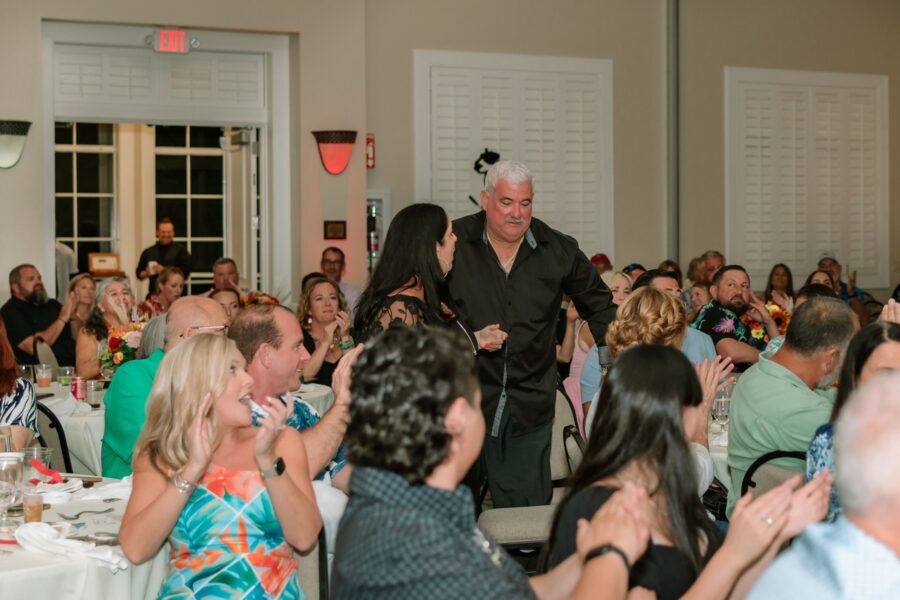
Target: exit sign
{"points": [[171, 41]]}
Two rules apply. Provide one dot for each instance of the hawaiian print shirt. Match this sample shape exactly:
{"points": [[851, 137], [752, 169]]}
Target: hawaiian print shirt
{"points": [[719, 323]]}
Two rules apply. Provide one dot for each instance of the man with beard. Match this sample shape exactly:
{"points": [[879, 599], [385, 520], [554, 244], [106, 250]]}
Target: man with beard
{"points": [[780, 402], [732, 297], [30, 313]]}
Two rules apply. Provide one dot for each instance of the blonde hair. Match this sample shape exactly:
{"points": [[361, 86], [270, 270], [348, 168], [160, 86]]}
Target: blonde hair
{"points": [[194, 368], [77, 279], [648, 316]]}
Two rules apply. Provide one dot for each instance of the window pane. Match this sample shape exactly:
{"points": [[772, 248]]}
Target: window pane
{"points": [[84, 248], [206, 218], [205, 137], [95, 217], [94, 134], [171, 174], [64, 217], [167, 135], [204, 254], [63, 172], [206, 174], [95, 173], [175, 209], [198, 288], [63, 133]]}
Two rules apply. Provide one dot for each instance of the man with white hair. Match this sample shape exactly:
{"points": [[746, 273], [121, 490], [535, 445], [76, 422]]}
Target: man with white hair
{"points": [[781, 400], [858, 556], [512, 269]]}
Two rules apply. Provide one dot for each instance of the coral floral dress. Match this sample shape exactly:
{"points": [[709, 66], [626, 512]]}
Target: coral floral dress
{"points": [[227, 543]]}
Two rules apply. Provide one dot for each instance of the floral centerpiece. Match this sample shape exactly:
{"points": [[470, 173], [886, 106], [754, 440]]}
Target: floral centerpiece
{"points": [[257, 297], [758, 330], [121, 346]]}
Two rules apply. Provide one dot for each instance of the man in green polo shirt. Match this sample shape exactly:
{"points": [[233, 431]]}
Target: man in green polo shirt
{"points": [[780, 402], [126, 398]]}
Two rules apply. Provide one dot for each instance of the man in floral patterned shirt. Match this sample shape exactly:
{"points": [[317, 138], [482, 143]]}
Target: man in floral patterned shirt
{"points": [[733, 298]]}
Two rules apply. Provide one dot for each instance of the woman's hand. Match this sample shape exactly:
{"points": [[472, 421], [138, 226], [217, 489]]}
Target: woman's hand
{"points": [[809, 503], [269, 428], [713, 377], [343, 321], [330, 329], [781, 299], [620, 522], [200, 448], [755, 524], [571, 313], [490, 338], [891, 312]]}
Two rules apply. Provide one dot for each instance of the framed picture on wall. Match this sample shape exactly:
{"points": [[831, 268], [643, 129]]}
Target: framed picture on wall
{"points": [[335, 230]]}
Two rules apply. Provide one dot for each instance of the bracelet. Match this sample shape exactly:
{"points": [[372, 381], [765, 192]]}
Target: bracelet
{"points": [[181, 484], [606, 549], [348, 344]]}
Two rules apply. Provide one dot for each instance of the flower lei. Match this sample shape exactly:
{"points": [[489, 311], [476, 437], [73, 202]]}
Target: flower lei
{"points": [[121, 346], [758, 330], [257, 297]]}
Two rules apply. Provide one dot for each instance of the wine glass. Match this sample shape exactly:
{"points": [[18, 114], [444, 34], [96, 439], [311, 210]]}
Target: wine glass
{"points": [[720, 410], [10, 487]]}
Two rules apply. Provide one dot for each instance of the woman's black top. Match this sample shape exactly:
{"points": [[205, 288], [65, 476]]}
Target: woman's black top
{"points": [[662, 569], [327, 368], [411, 311]]}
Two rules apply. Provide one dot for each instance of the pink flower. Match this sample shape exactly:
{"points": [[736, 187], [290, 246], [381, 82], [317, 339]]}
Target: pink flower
{"points": [[133, 340], [726, 325]]}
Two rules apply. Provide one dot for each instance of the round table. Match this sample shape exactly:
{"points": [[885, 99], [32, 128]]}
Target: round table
{"points": [[83, 429], [26, 574], [319, 396]]}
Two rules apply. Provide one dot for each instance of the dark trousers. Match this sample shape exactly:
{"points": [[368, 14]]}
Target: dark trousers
{"points": [[517, 468]]}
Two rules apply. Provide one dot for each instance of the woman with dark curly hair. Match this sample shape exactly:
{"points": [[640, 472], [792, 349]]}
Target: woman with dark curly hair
{"points": [[409, 282], [409, 531], [112, 309]]}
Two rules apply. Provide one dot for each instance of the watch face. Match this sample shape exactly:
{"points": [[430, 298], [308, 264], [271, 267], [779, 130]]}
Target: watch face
{"points": [[278, 466]]}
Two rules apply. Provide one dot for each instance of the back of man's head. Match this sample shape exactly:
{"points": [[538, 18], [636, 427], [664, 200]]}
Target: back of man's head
{"points": [[866, 447], [819, 324], [254, 326], [189, 313], [648, 277]]}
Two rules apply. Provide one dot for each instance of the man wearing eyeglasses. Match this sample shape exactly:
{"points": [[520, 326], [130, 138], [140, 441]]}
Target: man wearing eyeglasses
{"points": [[333, 267], [126, 398]]}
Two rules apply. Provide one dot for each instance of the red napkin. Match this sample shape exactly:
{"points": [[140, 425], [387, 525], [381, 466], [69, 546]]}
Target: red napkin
{"points": [[54, 476]]}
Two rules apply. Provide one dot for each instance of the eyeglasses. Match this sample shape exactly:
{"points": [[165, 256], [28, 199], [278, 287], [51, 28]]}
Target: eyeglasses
{"points": [[205, 329], [332, 263]]}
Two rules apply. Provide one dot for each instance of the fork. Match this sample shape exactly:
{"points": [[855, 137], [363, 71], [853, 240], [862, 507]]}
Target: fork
{"points": [[84, 512]]}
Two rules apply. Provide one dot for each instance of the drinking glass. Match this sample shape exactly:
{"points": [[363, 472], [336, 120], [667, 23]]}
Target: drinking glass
{"points": [[10, 487], [41, 454], [43, 375], [26, 372], [6, 439], [95, 391], [65, 375], [720, 411]]}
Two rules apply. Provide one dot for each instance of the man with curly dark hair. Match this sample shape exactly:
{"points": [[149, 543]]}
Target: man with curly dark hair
{"points": [[409, 531]]}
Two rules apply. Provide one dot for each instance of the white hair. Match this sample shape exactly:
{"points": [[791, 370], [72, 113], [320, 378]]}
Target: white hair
{"points": [[866, 447], [509, 171]]}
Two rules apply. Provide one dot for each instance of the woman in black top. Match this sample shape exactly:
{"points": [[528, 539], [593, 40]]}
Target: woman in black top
{"points": [[409, 283], [325, 321], [638, 436]]}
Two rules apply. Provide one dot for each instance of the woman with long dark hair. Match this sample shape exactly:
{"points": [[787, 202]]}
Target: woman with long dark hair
{"points": [[780, 287], [409, 282], [873, 349], [639, 436]]}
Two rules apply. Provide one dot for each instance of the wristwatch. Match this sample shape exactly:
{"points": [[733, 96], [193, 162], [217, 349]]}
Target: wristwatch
{"points": [[275, 470]]}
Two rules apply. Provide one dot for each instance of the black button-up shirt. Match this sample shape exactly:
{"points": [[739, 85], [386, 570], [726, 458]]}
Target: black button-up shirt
{"points": [[526, 304], [399, 541], [24, 319]]}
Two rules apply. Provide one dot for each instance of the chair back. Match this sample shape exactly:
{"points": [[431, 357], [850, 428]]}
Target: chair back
{"points": [[53, 436], [574, 447], [762, 476], [563, 417], [312, 570], [44, 352]]}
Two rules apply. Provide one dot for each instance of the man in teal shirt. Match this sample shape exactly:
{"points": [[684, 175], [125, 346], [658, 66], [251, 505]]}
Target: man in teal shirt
{"points": [[780, 402], [126, 398]]}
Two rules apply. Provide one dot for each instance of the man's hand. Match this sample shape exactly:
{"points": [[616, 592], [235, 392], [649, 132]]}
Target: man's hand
{"points": [[340, 380], [490, 338], [851, 281], [758, 311]]}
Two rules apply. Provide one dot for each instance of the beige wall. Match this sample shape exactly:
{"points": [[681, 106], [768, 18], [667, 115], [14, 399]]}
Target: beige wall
{"points": [[327, 86], [629, 32], [818, 35]]}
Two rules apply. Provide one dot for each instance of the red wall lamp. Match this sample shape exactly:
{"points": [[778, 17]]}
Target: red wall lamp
{"points": [[335, 148]]}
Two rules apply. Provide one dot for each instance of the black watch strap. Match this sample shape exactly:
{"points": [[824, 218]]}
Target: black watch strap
{"points": [[607, 549]]}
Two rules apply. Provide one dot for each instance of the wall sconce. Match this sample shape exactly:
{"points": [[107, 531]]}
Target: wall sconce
{"points": [[12, 142], [335, 148]]}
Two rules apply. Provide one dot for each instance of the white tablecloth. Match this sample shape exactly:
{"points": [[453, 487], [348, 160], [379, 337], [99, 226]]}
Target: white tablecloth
{"points": [[84, 430], [317, 395], [27, 575]]}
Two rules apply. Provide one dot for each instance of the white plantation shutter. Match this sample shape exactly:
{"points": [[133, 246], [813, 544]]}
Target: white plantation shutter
{"points": [[806, 169], [553, 114]]}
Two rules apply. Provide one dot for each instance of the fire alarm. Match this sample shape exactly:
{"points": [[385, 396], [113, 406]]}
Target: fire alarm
{"points": [[370, 150]]}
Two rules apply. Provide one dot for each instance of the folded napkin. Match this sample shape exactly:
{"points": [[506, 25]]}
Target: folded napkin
{"points": [[42, 537], [56, 493], [118, 489]]}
